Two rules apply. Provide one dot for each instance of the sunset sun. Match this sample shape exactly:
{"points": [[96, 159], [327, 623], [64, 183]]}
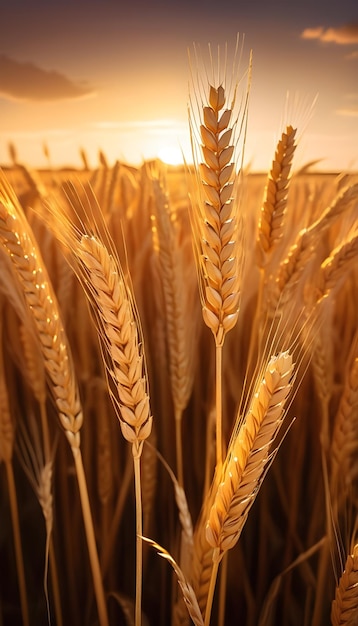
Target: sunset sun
{"points": [[171, 154]]}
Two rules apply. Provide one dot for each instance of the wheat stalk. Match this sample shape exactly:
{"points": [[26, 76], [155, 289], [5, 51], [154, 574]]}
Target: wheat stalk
{"points": [[245, 466], [176, 298], [117, 321], [119, 327], [217, 218], [19, 243]]}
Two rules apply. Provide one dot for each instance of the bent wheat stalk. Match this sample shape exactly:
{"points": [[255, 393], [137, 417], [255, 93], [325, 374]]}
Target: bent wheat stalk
{"points": [[19, 243], [250, 452]]}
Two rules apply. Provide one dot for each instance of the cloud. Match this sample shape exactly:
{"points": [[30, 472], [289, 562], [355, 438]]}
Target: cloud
{"points": [[312, 33], [352, 55], [26, 81], [352, 112], [342, 35]]}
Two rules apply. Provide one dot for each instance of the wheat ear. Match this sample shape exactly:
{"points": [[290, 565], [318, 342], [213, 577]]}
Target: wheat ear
{"points": [[344, 610], [245, 466], [302, 251], [272, 214], [345, 430], [335, 267], [187, 590], [272, 217], [176, 314], [39, 474], [217, 221], [19, 243]]}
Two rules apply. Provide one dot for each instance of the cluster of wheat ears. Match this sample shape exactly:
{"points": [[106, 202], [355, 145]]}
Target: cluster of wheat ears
{"points": [[179, 386]]}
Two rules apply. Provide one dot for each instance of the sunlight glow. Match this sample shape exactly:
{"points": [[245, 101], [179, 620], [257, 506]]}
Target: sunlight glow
{"points": [[170, 154]]}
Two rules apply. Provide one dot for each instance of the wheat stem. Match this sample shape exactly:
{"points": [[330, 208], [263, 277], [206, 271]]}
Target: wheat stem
{"points": [[219, 400], [90, 536], [214, 575], [179, 446], [139, 545], [223, 589], [55, 584], [17, 541], [117, 515]]}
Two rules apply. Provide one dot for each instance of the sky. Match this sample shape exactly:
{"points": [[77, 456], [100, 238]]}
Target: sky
{"points": [[104, 75]]}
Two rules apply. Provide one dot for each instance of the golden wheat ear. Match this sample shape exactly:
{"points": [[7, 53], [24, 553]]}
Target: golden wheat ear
{"points": [[272, 214], [250, 451], [21, 247]]}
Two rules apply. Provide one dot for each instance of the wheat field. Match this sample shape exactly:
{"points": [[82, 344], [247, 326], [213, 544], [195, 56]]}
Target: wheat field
{"points": [[179, 387]]}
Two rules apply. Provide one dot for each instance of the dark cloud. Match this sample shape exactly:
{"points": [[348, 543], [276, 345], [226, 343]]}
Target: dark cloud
{"points": [[342, 35], [26, 81]]}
